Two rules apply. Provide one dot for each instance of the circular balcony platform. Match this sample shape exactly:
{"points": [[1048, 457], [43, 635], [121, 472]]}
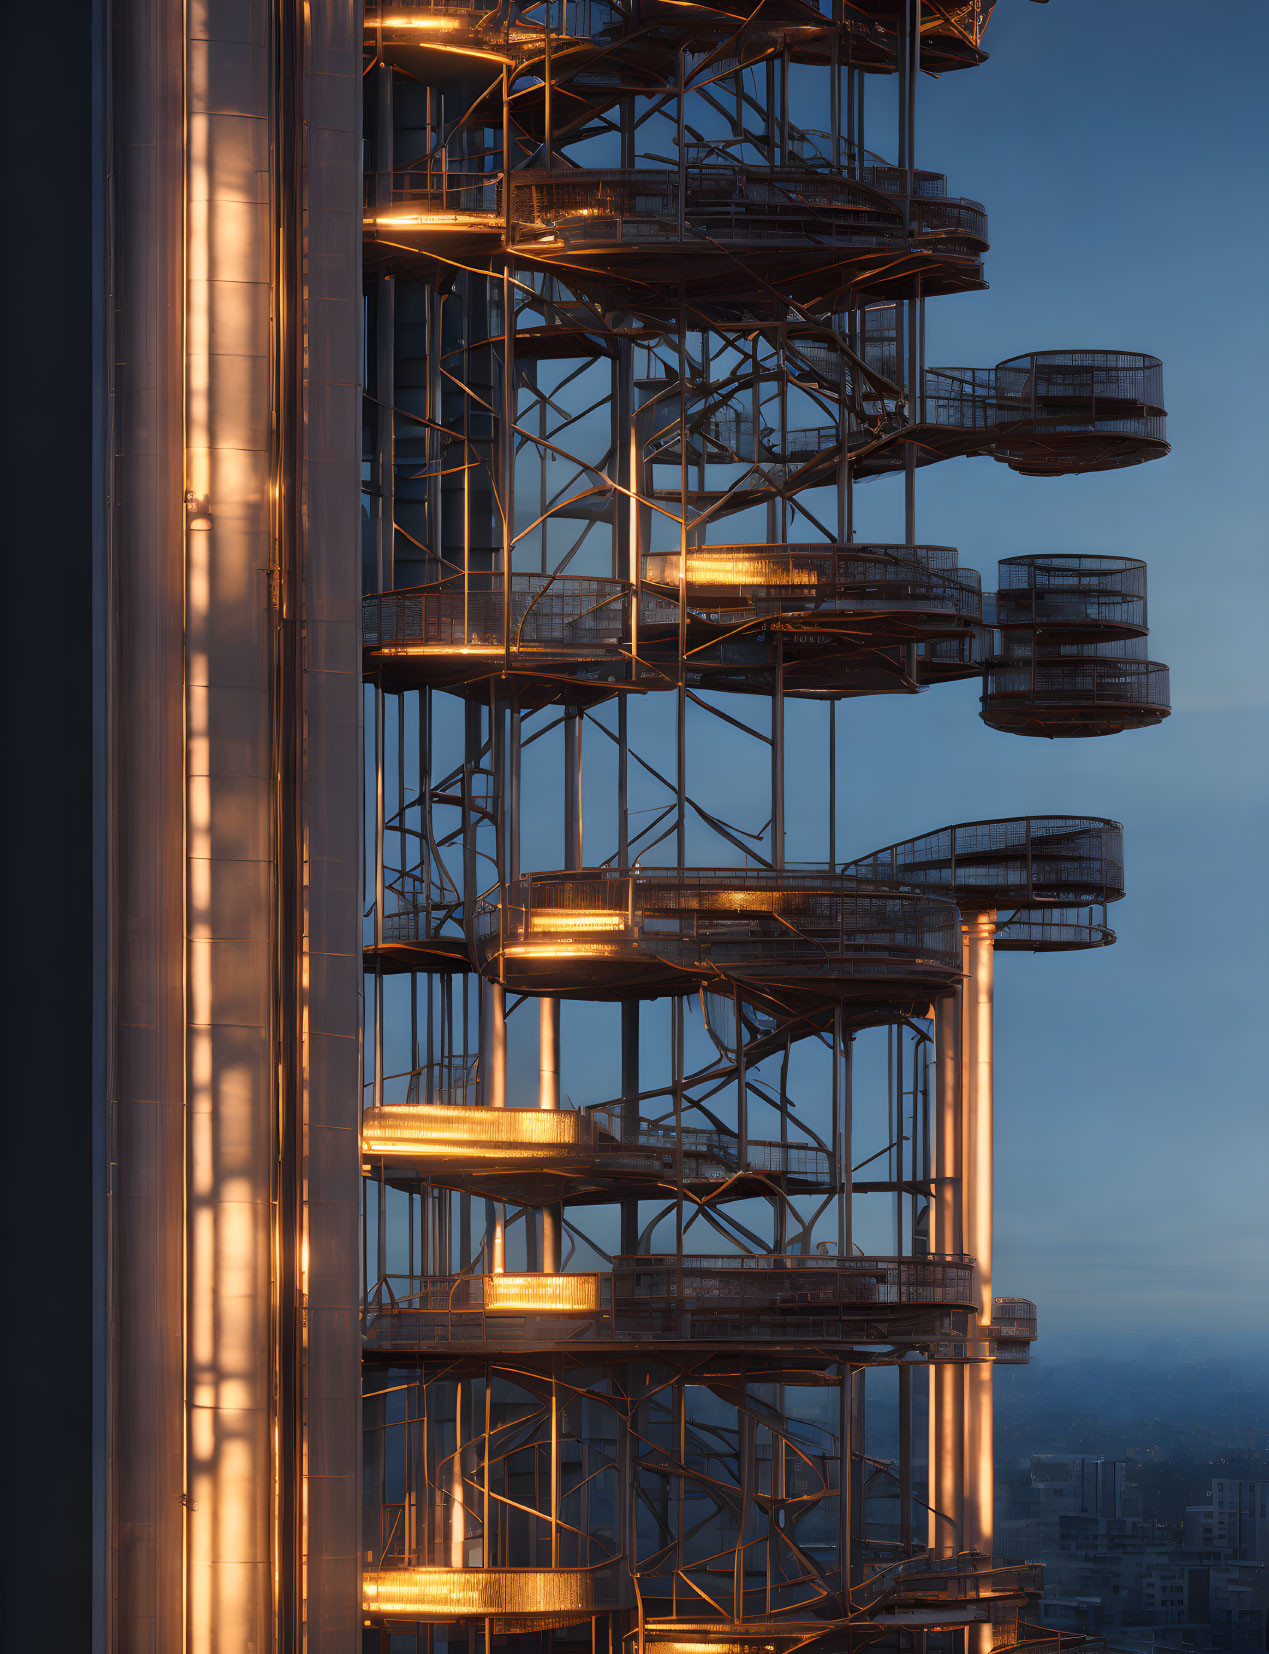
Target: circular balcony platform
{"points": [[1066, 411], [772, 1303], [1076, 599], [787, 938], [1015, 1326], [430, 40], [635, 236], [556, 637], [1048, 413], [873, 593], [931, 1596], [1053, 929], [535, 1157], [840, 618], [1076, 690], [1015, 862]]}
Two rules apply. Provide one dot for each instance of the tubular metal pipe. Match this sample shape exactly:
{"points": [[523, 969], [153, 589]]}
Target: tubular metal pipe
{"points": [[978, 1177], [947, 1382]]}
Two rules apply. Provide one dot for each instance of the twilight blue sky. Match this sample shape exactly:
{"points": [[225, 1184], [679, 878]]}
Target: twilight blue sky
{"points": [[1119, 146]]}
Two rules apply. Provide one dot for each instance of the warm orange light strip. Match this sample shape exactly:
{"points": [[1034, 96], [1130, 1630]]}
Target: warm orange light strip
{"points": [[450, 1593], [434, 24], [445, 221], [576, 1294], [562, 919], [440, 648], [558, 950], [432, 1128], [718, 570]]}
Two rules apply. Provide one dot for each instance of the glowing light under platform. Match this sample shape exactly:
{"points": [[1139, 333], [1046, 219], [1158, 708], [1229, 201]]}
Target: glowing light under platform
{"points": [[440, 1129], [565, 919], [567, 1294], [453, 1593]]}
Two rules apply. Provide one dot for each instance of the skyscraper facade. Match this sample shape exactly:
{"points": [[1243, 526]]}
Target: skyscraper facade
{"points": [[540, 1180]]}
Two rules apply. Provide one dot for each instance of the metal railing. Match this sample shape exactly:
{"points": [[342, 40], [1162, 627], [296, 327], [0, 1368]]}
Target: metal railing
{"points": [[1068, 593], [1017, 861], [1087, 682], [1054, 929], [706, 921], [765, 1298], [822, 579], [583, 616]]}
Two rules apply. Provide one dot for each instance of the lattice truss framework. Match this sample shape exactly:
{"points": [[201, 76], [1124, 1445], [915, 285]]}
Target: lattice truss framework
{"points": [[705, 1362]]}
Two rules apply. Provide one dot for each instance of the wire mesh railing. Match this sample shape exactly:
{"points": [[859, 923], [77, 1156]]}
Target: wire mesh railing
{"points": [[1072, 594], [680, 925], [788, 1298], [1015, 861]]}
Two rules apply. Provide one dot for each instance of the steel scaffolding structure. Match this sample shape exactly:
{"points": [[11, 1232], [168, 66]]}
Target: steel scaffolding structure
{"points": [[704, 1363]]}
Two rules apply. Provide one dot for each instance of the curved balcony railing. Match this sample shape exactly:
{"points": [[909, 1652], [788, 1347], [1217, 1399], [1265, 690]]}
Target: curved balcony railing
{"points": [[1014, 1318], [455, 629], [685, 224], [1054, 412], [912, 591], [951, 30], [726, 437], [1053, 929], [930, 1593], [1075, 597], [597, 933], [722, 197], [767, 1300], [1078, 689], [537, 1151], [1018, 861]]}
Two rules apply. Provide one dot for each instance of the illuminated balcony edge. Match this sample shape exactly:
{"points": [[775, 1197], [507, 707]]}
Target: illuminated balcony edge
{"points": [[427, 1593]]}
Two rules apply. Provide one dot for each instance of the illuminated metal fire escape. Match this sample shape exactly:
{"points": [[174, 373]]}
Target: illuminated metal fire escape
{"points": [[637, 1368]]}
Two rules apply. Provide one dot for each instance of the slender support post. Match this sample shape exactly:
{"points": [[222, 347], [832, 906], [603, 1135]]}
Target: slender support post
{"points": [[493, 1068], [385, 391], [513, 792], [573, 787], [629, 1113], [905, 1458], [947, 1382], [777, 758], [548, 1053], [979, 1436]]}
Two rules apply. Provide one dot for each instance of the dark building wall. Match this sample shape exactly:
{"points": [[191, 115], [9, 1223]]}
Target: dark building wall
{"points": [[52, 1122]]}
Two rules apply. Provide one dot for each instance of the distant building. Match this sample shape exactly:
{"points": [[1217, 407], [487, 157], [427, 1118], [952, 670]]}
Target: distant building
{"points": [[1145, 1586], [1235, 1520]]}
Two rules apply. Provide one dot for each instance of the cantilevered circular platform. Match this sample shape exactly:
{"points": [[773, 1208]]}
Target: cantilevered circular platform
{"points": [[1014, 862], [535, 1157], [549, 637], [878, 592], [1053, 929], [1074, 690], [773, 1302], [637, 236], [1079, 598], [791, 937], [1064, 411]]}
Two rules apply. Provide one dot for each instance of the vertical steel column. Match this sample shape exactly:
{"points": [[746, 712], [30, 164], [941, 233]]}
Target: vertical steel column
{"points": [[549, 1009], [978, 1168], [777, 757], [947, 1381]]}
